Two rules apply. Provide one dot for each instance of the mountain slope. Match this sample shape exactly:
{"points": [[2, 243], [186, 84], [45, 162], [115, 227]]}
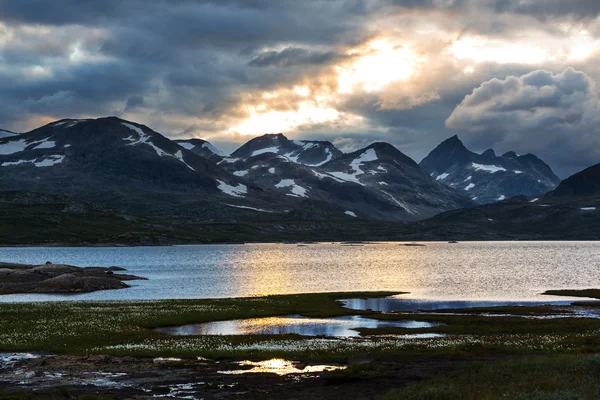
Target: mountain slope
{"points": [[4, 133], [397, 180], [488, 178], [118, 163], [582, 184], [571, 211], [301, 183], [311, 153], [202, 148]]}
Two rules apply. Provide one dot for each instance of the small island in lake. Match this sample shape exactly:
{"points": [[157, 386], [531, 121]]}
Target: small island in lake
{"points": [[60, 278]]}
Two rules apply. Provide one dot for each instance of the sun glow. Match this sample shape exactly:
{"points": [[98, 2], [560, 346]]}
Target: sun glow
{"points": [[502, 52], [380, 64], [261, 121], [532, 49]]}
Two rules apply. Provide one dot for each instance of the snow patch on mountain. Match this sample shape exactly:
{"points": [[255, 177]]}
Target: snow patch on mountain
{"points": [[327, 175], [350, 213], [237, 191], [442, 176], [49, 161], [271, 170], [142, 139], [13, 147], [367, 156], [228, 160], [469, 186], [399, 203], [186, 145], [297, 190], [326, 160], [488, 168], [45, 144], [212, 148], [179, 156], [249, 208], [587, 208], [241, 173], [502, 197], [273, 149]]}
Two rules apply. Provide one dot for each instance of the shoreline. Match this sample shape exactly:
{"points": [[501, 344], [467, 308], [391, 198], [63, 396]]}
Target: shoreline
{"points": [[117, 245]]}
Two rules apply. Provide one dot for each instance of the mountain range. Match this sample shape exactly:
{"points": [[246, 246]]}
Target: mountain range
{"points": [[134, 172], [569, 212], [486, 177], [125, 165]]}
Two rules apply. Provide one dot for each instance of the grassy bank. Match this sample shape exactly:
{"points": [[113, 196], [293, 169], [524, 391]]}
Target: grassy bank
{"points": [[537, 378], [125, 328]]}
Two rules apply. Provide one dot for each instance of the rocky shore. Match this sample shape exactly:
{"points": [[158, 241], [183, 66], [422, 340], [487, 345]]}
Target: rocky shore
{"points": [[60, 278]]}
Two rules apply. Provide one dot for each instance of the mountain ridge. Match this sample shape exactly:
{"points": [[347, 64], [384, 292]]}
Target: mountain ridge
{"points": [[486, 177]]}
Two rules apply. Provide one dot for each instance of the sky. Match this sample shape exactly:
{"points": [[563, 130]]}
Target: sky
{"points": [[517, 75]]}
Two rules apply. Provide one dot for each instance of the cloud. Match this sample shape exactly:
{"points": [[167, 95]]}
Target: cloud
{"points": [[203, 67], [555, 115], [293, 56]]}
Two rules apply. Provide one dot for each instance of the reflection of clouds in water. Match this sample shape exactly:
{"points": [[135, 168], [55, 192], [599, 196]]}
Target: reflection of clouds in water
{"points": [[293, 324]]}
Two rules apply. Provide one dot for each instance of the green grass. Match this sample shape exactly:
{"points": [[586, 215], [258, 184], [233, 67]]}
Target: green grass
{"points": [[125, 328], [88, 327], [573, 377]]}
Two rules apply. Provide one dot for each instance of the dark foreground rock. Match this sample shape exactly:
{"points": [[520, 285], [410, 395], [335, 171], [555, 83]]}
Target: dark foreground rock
{"points": [[107, 377], [59, 278]]}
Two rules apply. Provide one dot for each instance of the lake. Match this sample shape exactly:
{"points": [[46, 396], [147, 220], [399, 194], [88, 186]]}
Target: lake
{"points": [[471, 271]]}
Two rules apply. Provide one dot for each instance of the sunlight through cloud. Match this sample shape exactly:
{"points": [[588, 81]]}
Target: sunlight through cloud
{"points": [[380, 64]]}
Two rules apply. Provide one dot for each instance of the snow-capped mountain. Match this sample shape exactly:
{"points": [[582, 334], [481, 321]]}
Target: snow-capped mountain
{"points": [[117, 163], [396, 180], [306, 152], [378, 181], [300, 183], [128, 166], [486, 177], [202, 148]]}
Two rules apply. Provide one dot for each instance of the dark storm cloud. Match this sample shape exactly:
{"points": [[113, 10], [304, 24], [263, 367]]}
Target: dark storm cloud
{"points": [[181, 63], [537, 8], [557, 115], [293, 56]]}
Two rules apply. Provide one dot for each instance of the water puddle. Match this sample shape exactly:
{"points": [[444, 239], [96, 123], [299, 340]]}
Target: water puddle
{"points": [[183, 391], [292, 324], [280, 367], [420, 336], [8, 360], [396, 304]]}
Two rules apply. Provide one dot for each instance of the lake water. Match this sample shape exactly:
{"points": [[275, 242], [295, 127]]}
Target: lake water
{"points": [[292, 324], [475, 271]]}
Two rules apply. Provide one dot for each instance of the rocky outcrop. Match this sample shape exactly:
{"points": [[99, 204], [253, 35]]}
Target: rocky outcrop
{"points": [[60, 278]]}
